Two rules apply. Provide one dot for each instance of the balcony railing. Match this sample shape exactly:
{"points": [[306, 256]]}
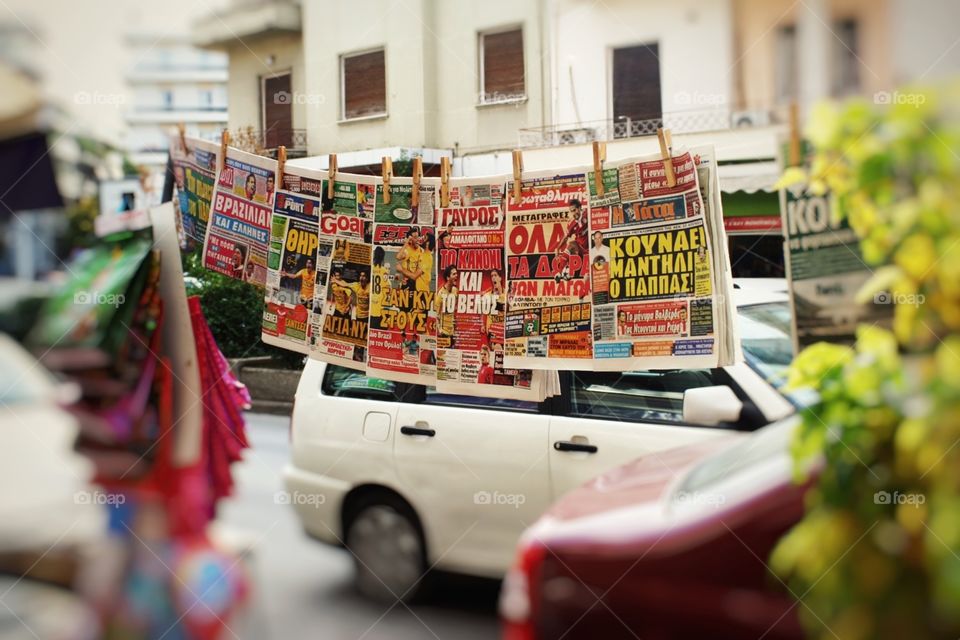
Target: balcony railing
{"points": [[677, 122], [266, 142]]}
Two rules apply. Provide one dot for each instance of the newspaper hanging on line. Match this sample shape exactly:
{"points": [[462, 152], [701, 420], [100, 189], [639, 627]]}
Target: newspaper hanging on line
{"points": [[548, 319], [652, 268], [725, 309], [825, 270], [194, 174], [238, 236], [470, 301], [402, 338], [289, 296], [344, 289]]}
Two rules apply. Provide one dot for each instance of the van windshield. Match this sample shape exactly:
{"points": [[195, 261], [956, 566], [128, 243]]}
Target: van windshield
{"points": [[765, 332]]}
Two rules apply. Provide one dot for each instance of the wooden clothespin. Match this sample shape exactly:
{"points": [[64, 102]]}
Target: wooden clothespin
{"points": [[182, 130], [417, 175], [517, 174], [666, 152], [281, 163], [599, 157], [224, 141], [332, 174], [386, 169], [444, 181], [794, 159]]}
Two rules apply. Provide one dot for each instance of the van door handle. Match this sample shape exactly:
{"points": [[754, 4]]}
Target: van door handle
{"points": [[565, 445], [418, 431]]}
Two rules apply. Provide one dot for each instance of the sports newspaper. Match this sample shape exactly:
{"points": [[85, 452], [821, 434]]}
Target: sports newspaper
{"points": [[238, 236], [402, 338], [547, 323], [292, 261], [345, 288], [470, 301], [194, 174]]}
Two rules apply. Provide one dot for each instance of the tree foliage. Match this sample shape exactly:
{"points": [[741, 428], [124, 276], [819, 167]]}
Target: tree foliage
{"points": [[877, 554]]}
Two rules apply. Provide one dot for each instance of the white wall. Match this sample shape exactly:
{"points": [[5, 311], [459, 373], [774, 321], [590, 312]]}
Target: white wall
{"points": [[695, 41], [925, 40], [431, 52]]}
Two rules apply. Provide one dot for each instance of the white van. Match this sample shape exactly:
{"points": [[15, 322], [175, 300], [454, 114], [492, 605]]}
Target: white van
{"points": [[410, 479]]}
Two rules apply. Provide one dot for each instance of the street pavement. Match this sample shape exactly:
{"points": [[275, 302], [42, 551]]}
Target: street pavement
{"points": [[303, 589]]}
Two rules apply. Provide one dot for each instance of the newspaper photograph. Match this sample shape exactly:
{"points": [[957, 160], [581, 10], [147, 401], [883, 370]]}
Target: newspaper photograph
{"points": [[548, 315], [292, 262], [400, 209], [470, 302], [651, 270], [344, 286], [238, 236], [402, 338], [194, 173]]}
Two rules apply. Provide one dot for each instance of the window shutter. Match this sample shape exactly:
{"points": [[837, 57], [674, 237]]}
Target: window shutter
{"points": [[636, 83], [503, 65], [364, 85]]}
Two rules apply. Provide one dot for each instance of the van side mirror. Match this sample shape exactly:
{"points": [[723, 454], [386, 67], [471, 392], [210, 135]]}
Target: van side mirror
{"points": [[711, 406]]}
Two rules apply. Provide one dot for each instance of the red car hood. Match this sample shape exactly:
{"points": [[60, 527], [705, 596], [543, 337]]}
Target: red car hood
{"points": [[628, 507]]}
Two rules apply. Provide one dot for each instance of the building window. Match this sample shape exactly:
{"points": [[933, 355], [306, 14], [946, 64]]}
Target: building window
{"points": [[787, 74], [166, 97], [637, 105], [277, 110], [363, 84], [845, 65], [501, 66], [844, 59]]}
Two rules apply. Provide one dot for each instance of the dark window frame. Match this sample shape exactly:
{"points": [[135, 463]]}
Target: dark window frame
{"points": [[346, 116], [483, 93]]}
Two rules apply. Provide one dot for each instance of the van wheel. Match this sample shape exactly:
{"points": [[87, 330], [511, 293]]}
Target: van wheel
{"points": [[388, 548]]}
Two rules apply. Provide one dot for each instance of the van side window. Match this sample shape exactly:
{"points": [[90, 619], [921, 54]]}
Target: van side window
{"points": [[474, 402], [637, 396], [348, 383]]}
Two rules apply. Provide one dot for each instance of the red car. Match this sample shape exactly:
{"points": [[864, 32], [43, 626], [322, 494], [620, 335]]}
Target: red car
{"points": [[672, 545]]}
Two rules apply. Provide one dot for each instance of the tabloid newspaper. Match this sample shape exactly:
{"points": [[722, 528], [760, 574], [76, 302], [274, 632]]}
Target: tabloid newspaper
{"points": [[402, 339], [194, 173], [547, 323], [470, 302], [238, 236], [345, 284], [652, 263], [289, 296]]}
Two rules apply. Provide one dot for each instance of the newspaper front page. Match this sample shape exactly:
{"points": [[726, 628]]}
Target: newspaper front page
{"points": [[238, 236]]}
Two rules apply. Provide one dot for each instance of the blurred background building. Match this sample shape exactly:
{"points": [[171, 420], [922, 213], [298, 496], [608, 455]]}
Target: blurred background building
{"points": [[90, 89], [471, 81]]}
